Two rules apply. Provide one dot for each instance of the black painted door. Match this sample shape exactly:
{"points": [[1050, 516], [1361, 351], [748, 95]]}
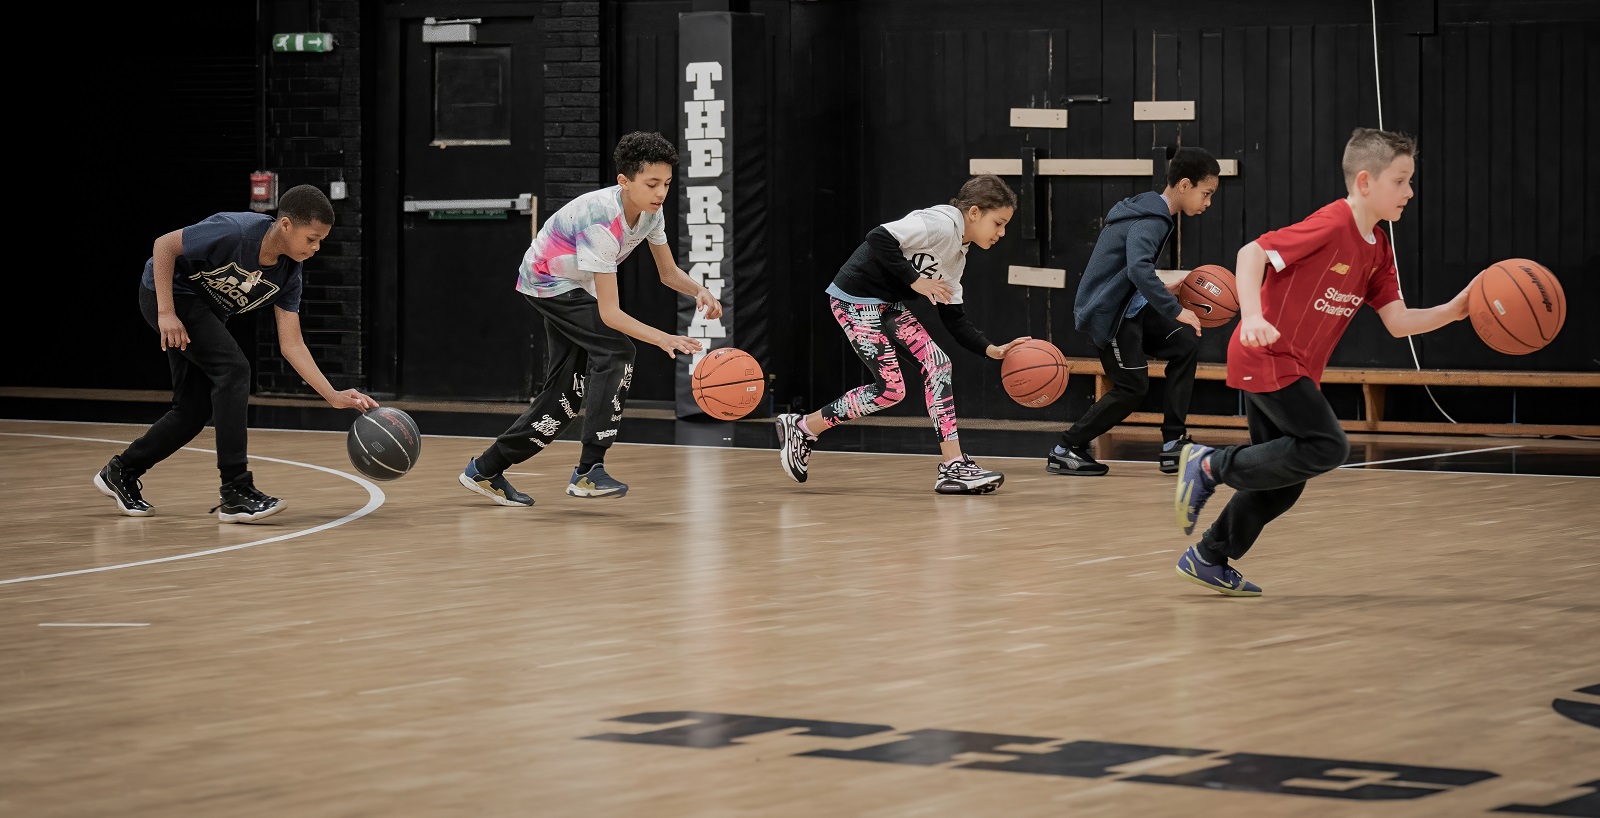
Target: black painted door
{"points": [[471, 147]]}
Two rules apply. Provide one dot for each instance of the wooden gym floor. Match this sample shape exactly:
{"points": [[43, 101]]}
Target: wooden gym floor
{"points": [[724, 642]]}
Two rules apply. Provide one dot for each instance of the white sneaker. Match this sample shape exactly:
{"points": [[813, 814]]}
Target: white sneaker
{"points": [[795, 452], [966, 477]]}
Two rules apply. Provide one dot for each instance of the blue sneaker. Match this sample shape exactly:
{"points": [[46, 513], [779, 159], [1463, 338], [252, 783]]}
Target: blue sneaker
{"points": [[596, 483], [1220, 578], [495, 488], [1194, 486]]}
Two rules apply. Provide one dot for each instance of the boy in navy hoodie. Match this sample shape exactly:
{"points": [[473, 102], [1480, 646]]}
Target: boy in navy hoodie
{"points": [[1131, 315]]}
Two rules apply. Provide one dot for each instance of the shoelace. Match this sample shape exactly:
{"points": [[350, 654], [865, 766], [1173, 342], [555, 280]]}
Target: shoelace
{"points": [[966, 468], [249, 493], [136, 490], [254, 494]]}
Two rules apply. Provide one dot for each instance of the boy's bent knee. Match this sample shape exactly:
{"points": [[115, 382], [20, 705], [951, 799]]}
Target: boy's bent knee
{"points": [[1324, 454]]}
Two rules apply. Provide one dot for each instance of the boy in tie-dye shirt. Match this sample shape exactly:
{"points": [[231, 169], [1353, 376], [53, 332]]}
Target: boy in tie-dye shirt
{"points": [[569, 275]]}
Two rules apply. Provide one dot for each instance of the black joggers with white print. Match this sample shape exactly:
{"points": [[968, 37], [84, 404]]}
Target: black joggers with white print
{"points": [[589, 367]]}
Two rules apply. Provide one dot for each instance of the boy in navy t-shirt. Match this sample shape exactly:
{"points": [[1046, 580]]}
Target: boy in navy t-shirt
{"points": [[195, 280]]}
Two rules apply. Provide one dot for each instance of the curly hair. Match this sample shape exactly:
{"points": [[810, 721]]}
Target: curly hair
{"points": [[639, 148]]}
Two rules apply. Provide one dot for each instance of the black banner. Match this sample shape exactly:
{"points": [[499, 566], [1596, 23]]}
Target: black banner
{"points": [[721, 179]]}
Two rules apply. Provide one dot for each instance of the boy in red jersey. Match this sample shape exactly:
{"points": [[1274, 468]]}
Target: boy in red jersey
{"points": [[1323, 269]]}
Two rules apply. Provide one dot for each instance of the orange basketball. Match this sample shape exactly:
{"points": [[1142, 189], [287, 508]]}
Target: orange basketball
{"points": [[1209, 290], [1517, 306], [727, 383], [1034, 373]]}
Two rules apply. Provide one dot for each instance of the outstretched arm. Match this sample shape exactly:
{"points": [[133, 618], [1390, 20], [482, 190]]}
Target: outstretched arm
{"points": [[1402, 321], [294, 349], [676, 279], [611, 314]]}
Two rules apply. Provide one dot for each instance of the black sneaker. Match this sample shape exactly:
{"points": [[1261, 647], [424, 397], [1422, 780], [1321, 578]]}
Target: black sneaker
{"points": [[115, 482], [1073, 460], [1171, 453], [966, 477], [242, 503]]}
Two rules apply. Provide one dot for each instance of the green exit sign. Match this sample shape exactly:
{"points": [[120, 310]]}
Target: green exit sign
{"points": [[314, 41]]}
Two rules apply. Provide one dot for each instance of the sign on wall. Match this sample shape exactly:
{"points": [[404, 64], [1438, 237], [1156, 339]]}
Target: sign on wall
{"points": [[721, 182]]}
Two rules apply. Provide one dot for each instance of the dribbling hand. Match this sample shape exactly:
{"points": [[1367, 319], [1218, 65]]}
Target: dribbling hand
{"points": [[352, 399], [674, 344], [998, 351]]}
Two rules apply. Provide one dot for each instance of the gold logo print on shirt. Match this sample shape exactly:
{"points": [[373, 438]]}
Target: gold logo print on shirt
{"points": [[232, 283], [1341, 268]]}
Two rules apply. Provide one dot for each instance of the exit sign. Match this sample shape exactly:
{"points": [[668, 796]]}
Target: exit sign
{"points": [[314, 41]]}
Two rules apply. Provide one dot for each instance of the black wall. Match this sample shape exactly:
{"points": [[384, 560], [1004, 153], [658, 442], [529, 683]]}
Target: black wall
{"points": [[157, 129], [882, 102]]}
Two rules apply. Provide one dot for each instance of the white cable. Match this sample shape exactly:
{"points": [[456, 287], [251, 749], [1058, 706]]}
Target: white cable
{"points": [[1377, 81]]}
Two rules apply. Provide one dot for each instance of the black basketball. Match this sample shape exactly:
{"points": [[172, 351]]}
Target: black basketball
{"points": [[384, 443]]}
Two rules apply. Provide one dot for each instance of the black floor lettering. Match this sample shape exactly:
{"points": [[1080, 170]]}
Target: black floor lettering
{"points": [[714, 730], [1082, 759], [1583, 806], [1346, 779], [1580, 712], [930, 747]]}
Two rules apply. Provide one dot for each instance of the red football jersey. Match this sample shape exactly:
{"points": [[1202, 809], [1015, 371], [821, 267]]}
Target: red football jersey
{"points": [[1319, 272]]}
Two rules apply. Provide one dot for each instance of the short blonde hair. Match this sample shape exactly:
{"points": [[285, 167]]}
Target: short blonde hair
{"points": [[1372, 150]]}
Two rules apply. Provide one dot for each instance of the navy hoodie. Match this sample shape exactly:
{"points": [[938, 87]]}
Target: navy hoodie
{"points": [[1124, 261]]}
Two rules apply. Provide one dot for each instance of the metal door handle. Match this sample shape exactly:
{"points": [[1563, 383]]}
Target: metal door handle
{"points": [[522, 204]]}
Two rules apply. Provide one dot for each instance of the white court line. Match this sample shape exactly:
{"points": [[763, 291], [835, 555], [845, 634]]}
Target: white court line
{"points": [[884, 454], [375, 498], [1426, 457]]}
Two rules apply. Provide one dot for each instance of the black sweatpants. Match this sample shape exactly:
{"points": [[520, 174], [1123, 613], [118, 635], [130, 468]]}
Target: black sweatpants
{"points": [[589, 367], [1294, 436], [210, 380], [1148, 334]]}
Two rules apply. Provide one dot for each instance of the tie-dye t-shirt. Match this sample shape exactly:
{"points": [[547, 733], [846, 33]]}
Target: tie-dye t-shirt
{"points": [[586, 236]]}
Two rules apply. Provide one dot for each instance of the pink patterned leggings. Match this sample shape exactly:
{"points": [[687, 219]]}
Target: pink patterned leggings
{"points": [[875, 332]]}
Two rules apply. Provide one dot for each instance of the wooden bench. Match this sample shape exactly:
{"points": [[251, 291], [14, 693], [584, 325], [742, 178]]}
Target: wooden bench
{"points": [[1373, 383]]}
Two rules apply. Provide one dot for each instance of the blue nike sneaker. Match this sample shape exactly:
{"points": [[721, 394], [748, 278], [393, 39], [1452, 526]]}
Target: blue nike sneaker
{"points": [[596, 483], [1195, 487], [496, 488], [1221, 578]]}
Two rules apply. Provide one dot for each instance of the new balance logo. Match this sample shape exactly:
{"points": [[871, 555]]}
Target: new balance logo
{"points": [[1341, 269]]}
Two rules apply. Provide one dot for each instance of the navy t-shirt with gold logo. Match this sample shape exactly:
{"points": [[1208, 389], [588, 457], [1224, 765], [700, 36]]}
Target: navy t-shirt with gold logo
{"points": [[221, 260]]}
